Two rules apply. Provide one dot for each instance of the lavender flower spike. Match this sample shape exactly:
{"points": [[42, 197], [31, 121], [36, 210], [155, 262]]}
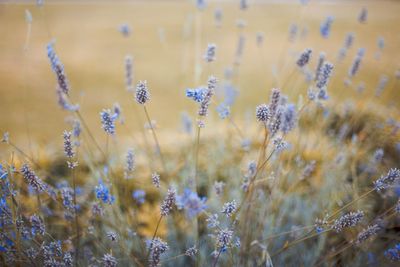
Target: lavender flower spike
{"points": [[304, 58], [168, 202], [142, 93]]}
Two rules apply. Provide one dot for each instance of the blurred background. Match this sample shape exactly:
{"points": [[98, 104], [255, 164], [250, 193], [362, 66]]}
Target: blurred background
{"points": [[167, 40]]}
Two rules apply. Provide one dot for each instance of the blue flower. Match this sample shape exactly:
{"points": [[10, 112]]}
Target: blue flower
{"points": [[223, 111], [3, 173], [393, 254], [191, 202], [196, 94], [103, 193], [325, 28], [139, 196]]}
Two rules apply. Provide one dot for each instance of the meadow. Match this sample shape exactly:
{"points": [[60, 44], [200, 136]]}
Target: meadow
{"points": [[200, 133]]}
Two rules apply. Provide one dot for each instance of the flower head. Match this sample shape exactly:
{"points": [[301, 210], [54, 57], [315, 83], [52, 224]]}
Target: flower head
{"points": [[142, 93]]}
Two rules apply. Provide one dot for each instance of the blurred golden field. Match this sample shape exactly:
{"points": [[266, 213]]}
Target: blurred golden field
{"points": [[93, 50]]}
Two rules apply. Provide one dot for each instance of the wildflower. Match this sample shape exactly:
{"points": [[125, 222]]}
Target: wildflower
{"points": [[280, 144], [31, 178], [240, 48], [293, 29], [118, 112], [275, 125], [229, 208], [58, 69], [210, 53], [191, 252], [309, 169], [311, 94], [67, 259], [3, 173], [223, 111], [218, 17], [109, 261], [37, 225], [142, 93], [348, 220], [289, 118], [219, 188], [323, 78], [274, 101], [103, 193], [203, 109], [196, 94], [187, 123], [63, 101], [263, 113], [385, 180], [125, 30], [201, 4], [260, 36], [157, 248], [349, 40], [212, 221], [108, 121], [367, 233], [191, 202], [325, 27], [129, 164], [380, 42], [97, 209], [362, 18], [378, 155], [320, 224], [356, 63], [224, 238], [168, 202], [155, 178], [67, 196], [129, 73], [381, 85], [68, 150], [393, 254], [112, 236], [304, 58], [321, 61], [139, 196], [244, 4], [6, 138]]}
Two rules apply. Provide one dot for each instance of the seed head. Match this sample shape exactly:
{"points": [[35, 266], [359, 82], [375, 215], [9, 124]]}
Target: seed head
{"points": [[263, 113]]}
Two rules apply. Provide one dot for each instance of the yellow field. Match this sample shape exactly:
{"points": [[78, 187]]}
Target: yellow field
{"points": [[93, 50]]}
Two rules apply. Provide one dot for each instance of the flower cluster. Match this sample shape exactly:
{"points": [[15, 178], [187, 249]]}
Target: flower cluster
{"points": [[386, 180], [191, 202], [348, 220], [168, 202], [103, 193]]}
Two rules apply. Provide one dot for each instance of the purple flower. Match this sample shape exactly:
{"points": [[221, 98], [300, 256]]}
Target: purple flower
{"points": [[191, 202]]}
